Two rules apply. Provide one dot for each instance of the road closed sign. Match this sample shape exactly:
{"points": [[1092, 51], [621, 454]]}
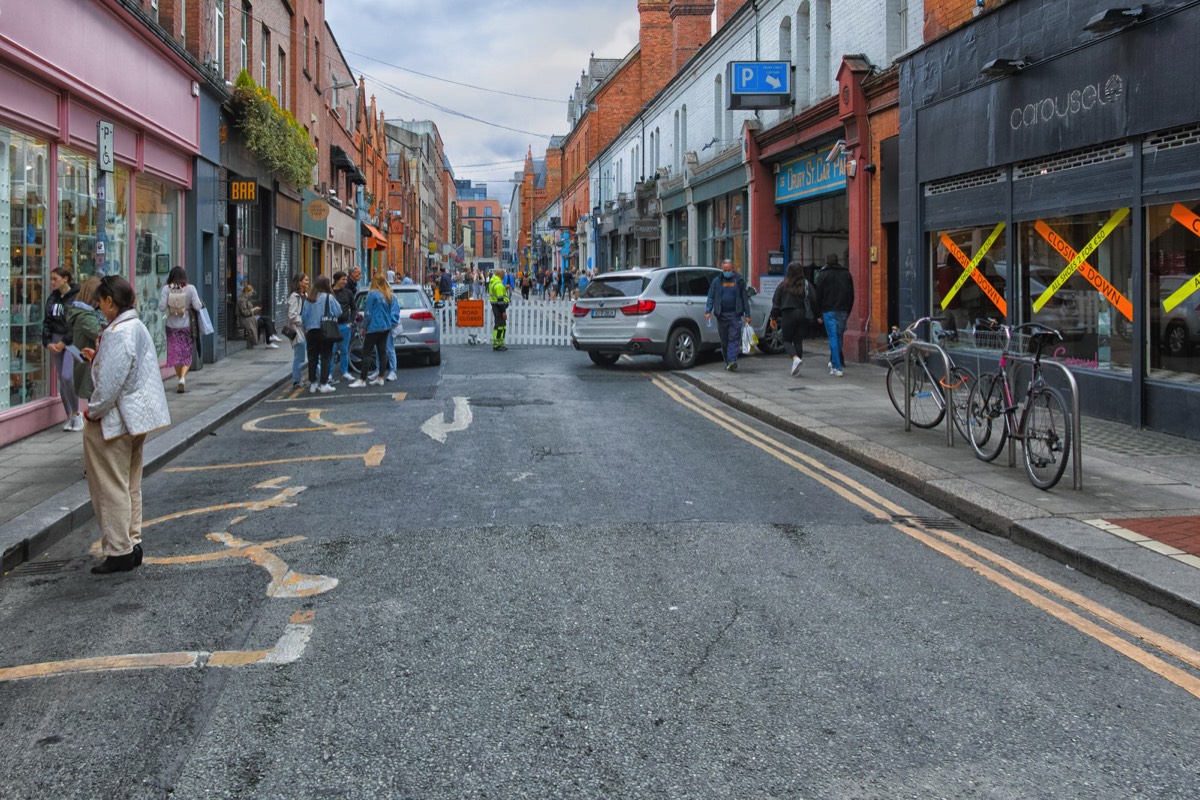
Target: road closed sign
{"points": [[470, 313]]}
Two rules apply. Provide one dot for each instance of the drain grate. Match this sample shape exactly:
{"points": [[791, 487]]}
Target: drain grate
{"points": [[940, 523], [45, 567]]}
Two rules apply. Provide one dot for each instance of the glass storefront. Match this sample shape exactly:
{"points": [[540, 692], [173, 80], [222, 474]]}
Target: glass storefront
{"points": [[818, 228], [1075, 277], [961, 298], [156, 231], [79, 217], [1173, 291], [723, 231], [24, 270], [677, 244]]}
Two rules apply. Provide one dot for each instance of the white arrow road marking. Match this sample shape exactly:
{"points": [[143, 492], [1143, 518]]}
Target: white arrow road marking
{"points": [[437, 428]]}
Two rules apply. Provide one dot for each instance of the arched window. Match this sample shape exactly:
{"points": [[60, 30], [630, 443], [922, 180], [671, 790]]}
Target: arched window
{"points": [[683, 142], [785, 39], [803, 56], [822, 68], [677, 155], [657, 148]]}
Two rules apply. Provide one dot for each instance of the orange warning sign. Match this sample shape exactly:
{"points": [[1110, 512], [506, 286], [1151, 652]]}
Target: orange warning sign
{"points": [[470, 313], [1077, 262]]}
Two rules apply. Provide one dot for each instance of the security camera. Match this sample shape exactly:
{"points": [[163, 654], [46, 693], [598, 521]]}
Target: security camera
{"points": [[839, 147]]}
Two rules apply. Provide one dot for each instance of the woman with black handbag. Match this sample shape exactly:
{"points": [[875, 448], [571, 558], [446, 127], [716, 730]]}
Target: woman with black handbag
{"points": [[321, 332], [794, 307]]}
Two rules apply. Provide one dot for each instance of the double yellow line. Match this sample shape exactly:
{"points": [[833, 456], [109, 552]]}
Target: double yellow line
{"points": [[1045, 594]]}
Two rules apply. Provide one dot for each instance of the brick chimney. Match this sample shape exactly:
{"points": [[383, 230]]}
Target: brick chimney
{"points": [[726, 9], [691, 26], [657, 45]]}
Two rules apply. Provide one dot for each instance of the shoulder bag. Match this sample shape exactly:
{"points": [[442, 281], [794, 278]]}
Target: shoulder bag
{"points": [[329, 325]]}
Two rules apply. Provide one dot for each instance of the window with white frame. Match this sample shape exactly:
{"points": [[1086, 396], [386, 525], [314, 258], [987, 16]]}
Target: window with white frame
{"points": [[785, 39], [264, 58], [280, 85], [822, 69], [803, 55], [219, 36], [683, 129], [677, 154], [657, 148], [245, 38], [896, 27], [718, 110]]}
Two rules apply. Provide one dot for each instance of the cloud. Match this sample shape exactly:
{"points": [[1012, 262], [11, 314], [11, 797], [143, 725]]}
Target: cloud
{"points": [[535, 48]]}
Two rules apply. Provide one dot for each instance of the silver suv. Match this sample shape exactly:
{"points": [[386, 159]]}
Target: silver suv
{"points": [[657, 311]]}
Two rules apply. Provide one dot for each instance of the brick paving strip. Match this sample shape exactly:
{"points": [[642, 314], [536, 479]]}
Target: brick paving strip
{"points": [[1177, 537]]}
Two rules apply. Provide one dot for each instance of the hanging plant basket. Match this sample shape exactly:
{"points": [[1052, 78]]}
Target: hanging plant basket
{"points": [[272, 133]]}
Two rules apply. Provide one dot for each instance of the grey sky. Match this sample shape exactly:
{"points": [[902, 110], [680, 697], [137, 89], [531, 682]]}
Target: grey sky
{"points": [[525, 47]]}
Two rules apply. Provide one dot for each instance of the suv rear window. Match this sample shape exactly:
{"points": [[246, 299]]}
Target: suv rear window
{"points": [[627, 286]]}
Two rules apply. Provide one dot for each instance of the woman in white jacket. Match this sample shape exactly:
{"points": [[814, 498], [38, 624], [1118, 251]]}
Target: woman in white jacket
{"points": [[127, 402], [297, 297]]}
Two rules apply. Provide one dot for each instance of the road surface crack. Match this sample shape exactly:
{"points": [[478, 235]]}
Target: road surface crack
{"points": [[708, 649]]}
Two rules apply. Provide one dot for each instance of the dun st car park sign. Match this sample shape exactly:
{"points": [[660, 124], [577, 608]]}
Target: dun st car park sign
{"points": [[758, 84]]}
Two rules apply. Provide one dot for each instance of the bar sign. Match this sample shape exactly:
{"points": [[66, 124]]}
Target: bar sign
{"points": [[243, 192]]}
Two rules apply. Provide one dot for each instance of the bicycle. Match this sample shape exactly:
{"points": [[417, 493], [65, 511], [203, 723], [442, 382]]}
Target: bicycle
{"points": [[1043, 427], [927, 403]]}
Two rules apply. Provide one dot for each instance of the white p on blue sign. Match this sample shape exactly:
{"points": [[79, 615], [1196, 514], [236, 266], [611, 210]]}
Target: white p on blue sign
{"points": [[759, 84]]}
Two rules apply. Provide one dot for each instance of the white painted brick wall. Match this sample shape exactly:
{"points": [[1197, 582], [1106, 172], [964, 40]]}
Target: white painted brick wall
{"points": [[856, 26]]}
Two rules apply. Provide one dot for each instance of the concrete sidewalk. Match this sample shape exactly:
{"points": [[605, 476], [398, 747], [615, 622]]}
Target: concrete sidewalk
{"points": [[1135, 523], [43, 493]]}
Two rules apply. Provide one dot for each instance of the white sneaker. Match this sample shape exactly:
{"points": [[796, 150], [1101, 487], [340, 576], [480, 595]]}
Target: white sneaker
{"points": [[837, 373], [357, 384], [391, 376], [326, 388], [70, 425], [372, 376], [274, 339], [79, 422], [377, 382], [272, 346], [313, 388], [796, 361]]}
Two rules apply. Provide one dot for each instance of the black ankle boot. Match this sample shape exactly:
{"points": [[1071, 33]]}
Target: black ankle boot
{"points": [[115, 564], [137, 555]]}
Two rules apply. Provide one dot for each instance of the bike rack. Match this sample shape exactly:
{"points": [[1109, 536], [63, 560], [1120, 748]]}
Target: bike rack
{"points": [[1076, 435], [932, 349]]}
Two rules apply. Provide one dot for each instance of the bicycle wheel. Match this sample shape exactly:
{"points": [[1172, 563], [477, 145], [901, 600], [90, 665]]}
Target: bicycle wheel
{"points": [[962, 381], [1046, 437], [985, 417], [927, 405]]}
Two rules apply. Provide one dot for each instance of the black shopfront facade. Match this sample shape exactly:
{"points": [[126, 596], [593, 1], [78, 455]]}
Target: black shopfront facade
{"points": [[1062, 186]]}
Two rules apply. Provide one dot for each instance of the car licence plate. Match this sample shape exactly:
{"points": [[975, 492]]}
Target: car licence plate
{"points": [[604, 312]]}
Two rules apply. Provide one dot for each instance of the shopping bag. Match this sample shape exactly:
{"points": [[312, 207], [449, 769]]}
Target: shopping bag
{"points": [[204, 322], [747, 340]]}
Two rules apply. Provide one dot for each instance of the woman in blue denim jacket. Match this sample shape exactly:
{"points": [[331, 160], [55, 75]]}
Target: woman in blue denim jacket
{"points": [[380, 315]]}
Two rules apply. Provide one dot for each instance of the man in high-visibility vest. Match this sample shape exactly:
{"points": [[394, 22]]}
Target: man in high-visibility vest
{"points": [[498, 295]]}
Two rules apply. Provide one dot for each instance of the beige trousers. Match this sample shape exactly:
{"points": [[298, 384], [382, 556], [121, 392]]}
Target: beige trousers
{"points": [[114, 476]]}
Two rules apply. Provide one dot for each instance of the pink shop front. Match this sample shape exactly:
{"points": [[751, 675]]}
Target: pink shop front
{"points": [[57, 82]]}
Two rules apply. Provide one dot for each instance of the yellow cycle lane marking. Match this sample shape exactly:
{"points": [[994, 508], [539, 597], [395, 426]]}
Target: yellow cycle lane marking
{"points": [[968, 554], [313, 415], [285, 583], [287, 648], [371, 458]]}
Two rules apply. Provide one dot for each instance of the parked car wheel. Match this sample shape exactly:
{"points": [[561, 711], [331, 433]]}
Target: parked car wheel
{"points": [[770, 340], [682, 349], [603, 359], [1176, 339], [434, 359]]}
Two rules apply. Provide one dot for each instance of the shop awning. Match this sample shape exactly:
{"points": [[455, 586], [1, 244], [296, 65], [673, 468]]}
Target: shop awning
{"points": [[372, 238]]}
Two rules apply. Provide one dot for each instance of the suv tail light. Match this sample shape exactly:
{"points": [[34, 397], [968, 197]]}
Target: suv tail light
{"points": [[640, 308], [576, 311], [422, 315]]}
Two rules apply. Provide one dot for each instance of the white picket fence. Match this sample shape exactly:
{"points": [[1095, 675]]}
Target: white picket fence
{"points": [[530, 322]]}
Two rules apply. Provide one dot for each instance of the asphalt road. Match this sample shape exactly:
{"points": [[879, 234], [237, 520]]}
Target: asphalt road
{"points": [[555, 580]]}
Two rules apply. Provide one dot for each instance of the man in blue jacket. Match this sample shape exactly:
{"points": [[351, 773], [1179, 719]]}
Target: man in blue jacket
{"points": [[729, 301]]}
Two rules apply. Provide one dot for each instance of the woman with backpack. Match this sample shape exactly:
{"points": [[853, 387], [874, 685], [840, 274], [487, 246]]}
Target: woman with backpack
{"points": [[321, 306], [794, 306], [179, 300], [56, 336]]}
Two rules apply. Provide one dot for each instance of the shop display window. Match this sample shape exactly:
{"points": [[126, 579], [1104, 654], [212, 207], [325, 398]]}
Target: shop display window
{"points": [[156, 251], [80, 218], [1173, 290], [970, 275], [1075, 277], [24, 270], [820, 227]]}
